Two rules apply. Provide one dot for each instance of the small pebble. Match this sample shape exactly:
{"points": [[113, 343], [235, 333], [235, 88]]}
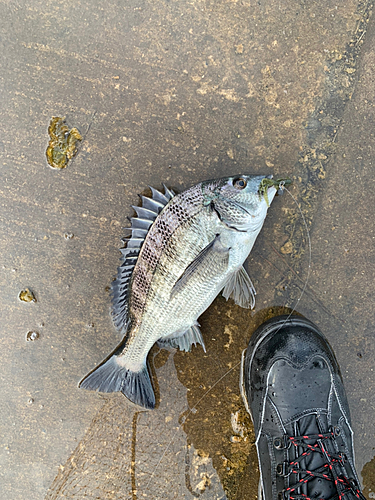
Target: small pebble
{"points": [[31, 336], [30, 401], [68, 236]]}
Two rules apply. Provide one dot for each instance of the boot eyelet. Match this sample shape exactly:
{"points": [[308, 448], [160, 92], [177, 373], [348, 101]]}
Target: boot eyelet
{"points": [[336, 431], [282, 443], [278, 443], [282, 469], [353, 483]]}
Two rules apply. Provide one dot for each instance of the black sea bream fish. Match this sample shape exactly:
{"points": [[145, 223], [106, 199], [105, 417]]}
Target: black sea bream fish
{"points": [[184, 249]]}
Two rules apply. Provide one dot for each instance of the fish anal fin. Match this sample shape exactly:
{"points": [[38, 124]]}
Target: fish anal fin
{"points": [[184, 341], [240, 288]]}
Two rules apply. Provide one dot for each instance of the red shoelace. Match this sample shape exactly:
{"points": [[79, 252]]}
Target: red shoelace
{"points": [[327, 471]]}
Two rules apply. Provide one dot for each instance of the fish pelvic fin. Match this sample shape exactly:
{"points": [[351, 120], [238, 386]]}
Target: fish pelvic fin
{"points": [[240, 288], [111, 376], [184, 341]]}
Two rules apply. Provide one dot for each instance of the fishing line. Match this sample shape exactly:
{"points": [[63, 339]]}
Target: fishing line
{"points": [[282, 187], [193, 409]]}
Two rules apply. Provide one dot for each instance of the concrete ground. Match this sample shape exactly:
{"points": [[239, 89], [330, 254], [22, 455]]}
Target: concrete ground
{"points": [[175, 92]]}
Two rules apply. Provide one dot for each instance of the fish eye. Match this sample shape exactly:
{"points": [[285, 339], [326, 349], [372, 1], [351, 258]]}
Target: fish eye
{"points": [[239, 183]]}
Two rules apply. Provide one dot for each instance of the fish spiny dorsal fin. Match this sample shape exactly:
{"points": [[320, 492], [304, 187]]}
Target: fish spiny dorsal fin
{"points": [[135, 236], [158, 196], [138, 223], [168, 192], [151, 204], [144, 213]]}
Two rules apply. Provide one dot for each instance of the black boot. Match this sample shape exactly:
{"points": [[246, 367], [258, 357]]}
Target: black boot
{"points": [[292, 387]]}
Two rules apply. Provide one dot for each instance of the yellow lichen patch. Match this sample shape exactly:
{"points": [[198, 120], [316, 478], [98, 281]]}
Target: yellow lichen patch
{"points": [[230, 153], [238, 48], [237, 426], [228, 331], [26, 296], [287, 248], [62, 145]]}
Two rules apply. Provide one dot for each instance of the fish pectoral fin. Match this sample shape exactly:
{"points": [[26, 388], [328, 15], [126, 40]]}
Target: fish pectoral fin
{"points": [[199, 265], [184, 342], [240, 288]]}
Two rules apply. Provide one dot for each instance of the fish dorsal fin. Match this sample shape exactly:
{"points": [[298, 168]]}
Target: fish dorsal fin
{"points": [[136, 234]]}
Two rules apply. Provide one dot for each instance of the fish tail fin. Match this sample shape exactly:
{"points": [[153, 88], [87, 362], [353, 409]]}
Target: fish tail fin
{"points": [[111, 376]]}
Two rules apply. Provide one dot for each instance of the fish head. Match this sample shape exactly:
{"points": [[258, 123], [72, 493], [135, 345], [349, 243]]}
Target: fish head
{"points": [[241, 201]]}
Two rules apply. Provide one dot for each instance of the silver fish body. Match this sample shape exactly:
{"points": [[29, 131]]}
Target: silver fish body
{"points": [[183, 251]]}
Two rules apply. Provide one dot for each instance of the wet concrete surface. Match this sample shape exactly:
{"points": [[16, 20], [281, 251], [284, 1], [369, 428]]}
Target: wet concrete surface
{"points": [[175, 92]]}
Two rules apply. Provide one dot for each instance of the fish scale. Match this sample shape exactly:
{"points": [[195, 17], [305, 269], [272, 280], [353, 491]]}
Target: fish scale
{"points": [[183, 250]]}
